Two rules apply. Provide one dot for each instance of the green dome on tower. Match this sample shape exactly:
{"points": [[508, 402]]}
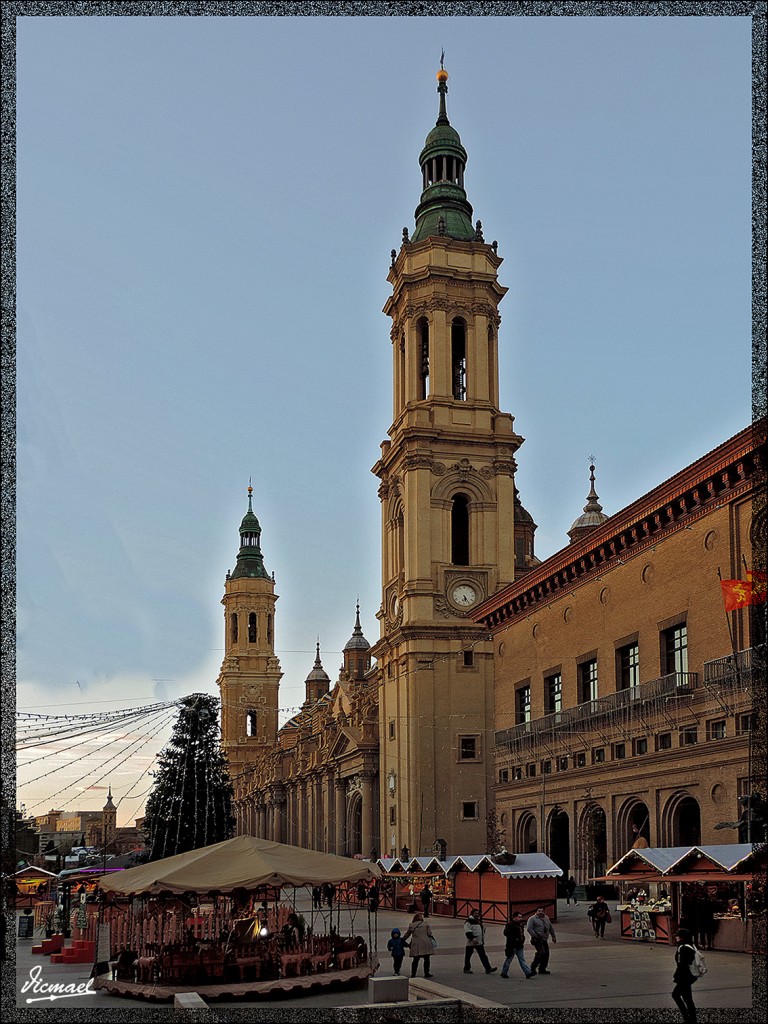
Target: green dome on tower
{"points": [[250, 561], [444, 208]]}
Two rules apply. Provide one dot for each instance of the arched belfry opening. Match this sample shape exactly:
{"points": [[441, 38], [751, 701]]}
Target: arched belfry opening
{"points": [[460, 530], [253, 628], [459, 359], [423, 343]]}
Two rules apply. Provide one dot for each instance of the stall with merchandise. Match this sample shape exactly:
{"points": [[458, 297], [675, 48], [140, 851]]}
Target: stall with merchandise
{"points": [[714, 891]]}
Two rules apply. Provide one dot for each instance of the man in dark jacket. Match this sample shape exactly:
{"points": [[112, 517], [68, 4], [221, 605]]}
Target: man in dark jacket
{"points": [[426, 898], [599, 914], [514, 936]]}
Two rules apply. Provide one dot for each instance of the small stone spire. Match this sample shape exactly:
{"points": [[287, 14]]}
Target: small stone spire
{"points": [[317, 682], [593, 515]]}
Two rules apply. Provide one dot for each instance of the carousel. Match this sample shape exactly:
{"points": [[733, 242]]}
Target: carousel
{"points": [[239, 919]]}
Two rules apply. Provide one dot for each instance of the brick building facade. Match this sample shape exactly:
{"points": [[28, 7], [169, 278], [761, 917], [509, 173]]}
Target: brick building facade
{"points": [[624, 704]]}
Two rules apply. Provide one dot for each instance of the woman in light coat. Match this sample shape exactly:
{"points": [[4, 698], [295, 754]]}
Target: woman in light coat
{"points": [[420, 935]]}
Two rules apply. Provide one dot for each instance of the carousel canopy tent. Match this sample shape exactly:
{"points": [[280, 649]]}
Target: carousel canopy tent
{"points": [[240, 863], [683, 863], [526, 865]]}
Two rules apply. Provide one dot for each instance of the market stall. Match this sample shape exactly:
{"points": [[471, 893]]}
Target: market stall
{"points": [[232, 920], [711, 890], [492, 886], [32, 885]]}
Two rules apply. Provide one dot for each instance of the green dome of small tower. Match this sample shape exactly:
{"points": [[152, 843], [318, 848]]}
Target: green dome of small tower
{"points": [[444, 208], [250, 561]]}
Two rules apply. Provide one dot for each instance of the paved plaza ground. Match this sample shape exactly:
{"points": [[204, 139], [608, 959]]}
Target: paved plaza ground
{"points": [[586, 972]]}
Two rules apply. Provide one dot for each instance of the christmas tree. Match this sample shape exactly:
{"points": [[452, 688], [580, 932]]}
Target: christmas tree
{"points": [[191, 800]]}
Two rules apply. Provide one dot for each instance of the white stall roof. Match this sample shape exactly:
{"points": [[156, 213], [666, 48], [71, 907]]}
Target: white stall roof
{"points": [[526, 865]]}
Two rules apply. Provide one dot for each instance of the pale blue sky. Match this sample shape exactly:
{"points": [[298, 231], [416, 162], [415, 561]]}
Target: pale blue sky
{"points": [[206, 208]]}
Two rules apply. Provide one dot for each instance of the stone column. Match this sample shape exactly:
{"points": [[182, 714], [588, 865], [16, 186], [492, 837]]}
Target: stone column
{"points": [[340, 815], [367, 838], [301, 816]]}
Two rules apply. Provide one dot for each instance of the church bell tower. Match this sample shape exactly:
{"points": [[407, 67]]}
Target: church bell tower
{"points": [[250, 672], [447, 498]]}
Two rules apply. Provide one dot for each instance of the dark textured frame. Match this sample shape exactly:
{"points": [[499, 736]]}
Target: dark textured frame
{"points": [[445, 1011]]}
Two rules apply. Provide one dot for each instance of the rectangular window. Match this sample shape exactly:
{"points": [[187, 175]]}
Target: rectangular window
{"points": [[716, 729], [393, 815], [598, 755], [640, 746], [467, 748], [391, 730], [469, 810], [553, 693], [517, 773], [469, 659], [664, 741], [523, 704], [619, 751], [530, 770], [628, 666], [588, 681], [503, 774], [674, 649], [562, 764], [546, 767], [689, 736], [580, 759], [746, 723]]}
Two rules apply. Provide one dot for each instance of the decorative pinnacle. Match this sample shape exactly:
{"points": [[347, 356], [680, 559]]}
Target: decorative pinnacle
{"points": [[250, 495], [442, 88], [318, 663], [593, 505]]}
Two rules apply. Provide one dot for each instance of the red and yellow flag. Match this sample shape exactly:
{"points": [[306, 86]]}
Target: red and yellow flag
{"points": [[740, 593]]}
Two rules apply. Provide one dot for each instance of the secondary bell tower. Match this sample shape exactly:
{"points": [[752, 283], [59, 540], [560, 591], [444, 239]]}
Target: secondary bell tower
{"points": [[447, 499], [250, 672]]}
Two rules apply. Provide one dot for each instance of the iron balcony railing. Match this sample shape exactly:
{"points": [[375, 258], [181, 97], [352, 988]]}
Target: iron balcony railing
{"points": [[734, 670], [590, 713]]}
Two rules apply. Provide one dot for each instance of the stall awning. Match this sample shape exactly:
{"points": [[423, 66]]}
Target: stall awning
{"points": [[679, 863], [526, 865]]}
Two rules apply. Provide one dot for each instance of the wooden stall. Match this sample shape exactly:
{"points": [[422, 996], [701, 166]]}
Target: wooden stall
{"points": [[494, 887], [714, 891]]}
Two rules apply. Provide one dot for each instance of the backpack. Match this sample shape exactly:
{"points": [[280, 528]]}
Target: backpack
{"points": [[698, 967]]}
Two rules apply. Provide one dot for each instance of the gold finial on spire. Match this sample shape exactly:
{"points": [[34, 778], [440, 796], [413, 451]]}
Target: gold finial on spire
{"points": [[442, 74]]}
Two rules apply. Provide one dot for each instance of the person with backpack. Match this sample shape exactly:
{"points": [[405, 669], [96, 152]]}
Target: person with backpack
{"points": [[689, 966]]}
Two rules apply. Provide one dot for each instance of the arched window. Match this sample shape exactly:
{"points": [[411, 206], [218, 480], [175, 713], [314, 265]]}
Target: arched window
{"points": [[250, 723], [253, 629], [460, 530], [233, 627], [269, 629], [423, 335], [400, 542], [459, 359]]}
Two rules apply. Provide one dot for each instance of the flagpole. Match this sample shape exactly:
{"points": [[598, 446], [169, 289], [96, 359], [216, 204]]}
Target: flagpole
{"points": [[749, 732]]}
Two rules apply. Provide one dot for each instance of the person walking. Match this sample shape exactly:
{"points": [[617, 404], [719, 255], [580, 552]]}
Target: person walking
{"points": [[421, 947], [685, 955], [514, 936], [475, 936], [426, 898], [570, 892], [600, 916], [397, 947], [539, 927]]}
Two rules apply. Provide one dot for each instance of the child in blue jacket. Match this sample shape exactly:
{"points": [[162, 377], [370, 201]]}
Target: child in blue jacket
{"points": [[397, 947]]}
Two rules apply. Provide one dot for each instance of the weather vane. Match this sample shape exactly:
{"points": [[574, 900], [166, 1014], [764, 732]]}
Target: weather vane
{"points": [[442, 56]]}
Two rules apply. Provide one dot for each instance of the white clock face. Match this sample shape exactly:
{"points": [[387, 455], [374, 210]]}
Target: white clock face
{"points": [[464, 595]]}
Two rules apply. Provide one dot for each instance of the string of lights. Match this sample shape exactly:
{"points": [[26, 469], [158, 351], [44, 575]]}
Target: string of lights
{"points": [[129, 753], [116, 727]]}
